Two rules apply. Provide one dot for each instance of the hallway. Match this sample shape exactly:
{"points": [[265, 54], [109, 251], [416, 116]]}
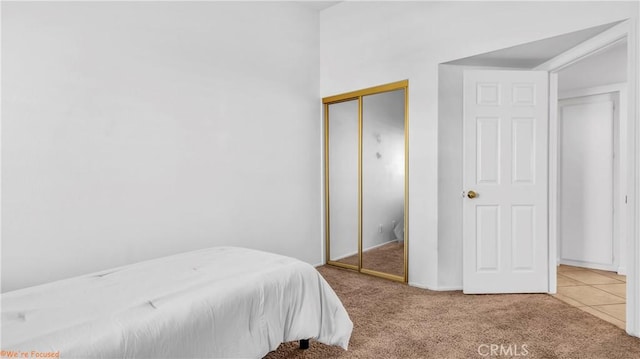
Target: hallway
{"points": [[600, 293]]}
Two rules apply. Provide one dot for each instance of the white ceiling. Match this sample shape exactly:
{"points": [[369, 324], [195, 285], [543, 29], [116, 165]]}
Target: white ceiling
{"points": [[606, 67], [532, 54]]}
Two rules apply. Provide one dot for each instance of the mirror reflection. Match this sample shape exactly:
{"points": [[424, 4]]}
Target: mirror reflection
{"points": [[342, 156], [383, 181]]}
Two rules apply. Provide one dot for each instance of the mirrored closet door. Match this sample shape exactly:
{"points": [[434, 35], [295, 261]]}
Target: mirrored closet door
{"points": [[366, 180]]}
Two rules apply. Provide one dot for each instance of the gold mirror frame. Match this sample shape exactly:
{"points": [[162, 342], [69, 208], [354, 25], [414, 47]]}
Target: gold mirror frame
{"points": [[358, 95]]}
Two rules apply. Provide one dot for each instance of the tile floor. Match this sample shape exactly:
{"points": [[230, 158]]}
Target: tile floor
{"points": [[597, 292]]}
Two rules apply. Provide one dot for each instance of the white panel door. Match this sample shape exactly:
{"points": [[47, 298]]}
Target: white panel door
{"points": [[587, 181], [505, 239]]}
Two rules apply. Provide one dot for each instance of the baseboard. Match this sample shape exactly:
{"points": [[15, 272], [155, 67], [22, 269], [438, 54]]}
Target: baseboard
{"points": [[421, 286], [345, 256], [622, 270], [364, 250], [438, 289], [379, 245], [449, 288], [607, 267]]}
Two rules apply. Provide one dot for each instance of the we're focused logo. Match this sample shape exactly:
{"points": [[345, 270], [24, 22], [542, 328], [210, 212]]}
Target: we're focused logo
{"points": [[503, 350]]}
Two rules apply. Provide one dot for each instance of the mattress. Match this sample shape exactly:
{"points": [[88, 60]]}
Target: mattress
{"points": [[221, 302]]}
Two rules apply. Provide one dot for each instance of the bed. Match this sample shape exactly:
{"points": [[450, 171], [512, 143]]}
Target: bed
{"points": [[221, 302]]}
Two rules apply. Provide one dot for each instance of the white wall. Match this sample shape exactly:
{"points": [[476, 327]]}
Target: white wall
{"points": [[136, 130], [450, 126], [407, 40]]}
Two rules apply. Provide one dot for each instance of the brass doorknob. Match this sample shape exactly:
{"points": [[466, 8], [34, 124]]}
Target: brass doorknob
{"points": [[472, 194]]}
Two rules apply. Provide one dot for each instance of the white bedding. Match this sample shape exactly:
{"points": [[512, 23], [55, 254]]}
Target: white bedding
{"points": [[219, 302]]}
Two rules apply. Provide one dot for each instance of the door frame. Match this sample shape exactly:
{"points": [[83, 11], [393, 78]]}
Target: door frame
{"points": [[628, 30]]}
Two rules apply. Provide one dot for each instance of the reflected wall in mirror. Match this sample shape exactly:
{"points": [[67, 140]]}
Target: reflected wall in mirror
{"points": [[383, 177], [342, 158], [366, 180]]}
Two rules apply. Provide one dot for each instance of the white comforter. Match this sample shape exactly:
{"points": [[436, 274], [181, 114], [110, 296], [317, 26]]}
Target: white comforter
{"points": [[218, 302]]}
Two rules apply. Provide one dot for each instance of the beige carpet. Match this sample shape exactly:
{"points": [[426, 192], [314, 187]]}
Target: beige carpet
{"points": [[388, 258], [393, 320]]}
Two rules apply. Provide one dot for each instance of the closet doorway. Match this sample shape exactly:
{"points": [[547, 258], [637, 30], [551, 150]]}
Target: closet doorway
{"points": [[366, 181]]}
